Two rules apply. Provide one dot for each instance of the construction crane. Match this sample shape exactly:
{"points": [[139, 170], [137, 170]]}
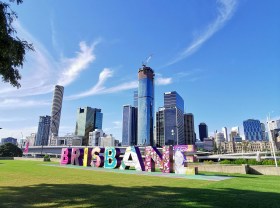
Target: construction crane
{"points": [[144, 63]]}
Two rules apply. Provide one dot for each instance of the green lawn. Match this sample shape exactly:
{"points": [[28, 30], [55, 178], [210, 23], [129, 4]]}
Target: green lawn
{"points": [[31, 184]]}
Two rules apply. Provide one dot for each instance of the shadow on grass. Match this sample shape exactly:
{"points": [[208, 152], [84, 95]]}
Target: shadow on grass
{"points": [[83, 195]]}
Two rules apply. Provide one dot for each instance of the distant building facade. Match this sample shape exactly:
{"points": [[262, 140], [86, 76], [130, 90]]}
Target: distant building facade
{"points": [[129, 127], [160, 138], [219, 138], [234, 133], [42, 136], [253, 130], [274, 126], [9, 140], [69, 140], [107, 141], [245, 146], [31, 139], [88, 119], [95, 136], [203, 131], [189, 128]]}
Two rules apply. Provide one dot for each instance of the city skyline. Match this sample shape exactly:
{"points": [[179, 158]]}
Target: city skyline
{"points": [[222, 59]]}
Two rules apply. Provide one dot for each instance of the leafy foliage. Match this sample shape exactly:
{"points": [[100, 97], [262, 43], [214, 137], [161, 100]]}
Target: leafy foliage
{"points": [[249, 162], [12, 49], [47, 158], [10, 150]]}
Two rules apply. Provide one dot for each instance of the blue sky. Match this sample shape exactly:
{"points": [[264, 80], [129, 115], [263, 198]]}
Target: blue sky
{"points": [[222, 57]]}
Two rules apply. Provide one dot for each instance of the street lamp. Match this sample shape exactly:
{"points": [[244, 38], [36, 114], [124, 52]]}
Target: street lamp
{"points": [[173, 134], [271, 139]]}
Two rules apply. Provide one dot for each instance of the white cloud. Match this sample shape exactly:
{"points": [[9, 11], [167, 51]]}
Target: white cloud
{"points": [[117, 124], [107, 73], [226, 9], [17, 133], [98, 88], [20, 103], [13, 119], [163, 81], [74, 66], [41, 71]]}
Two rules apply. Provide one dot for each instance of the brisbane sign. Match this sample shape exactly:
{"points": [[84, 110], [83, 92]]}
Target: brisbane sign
{"points": [[171, 159]]}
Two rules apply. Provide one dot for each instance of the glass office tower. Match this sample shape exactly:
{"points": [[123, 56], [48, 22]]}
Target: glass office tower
{"points": [[129, 129], [88, 120], [253, 130], [203, 131], [145, 106], [42, 135], [173, 118]]}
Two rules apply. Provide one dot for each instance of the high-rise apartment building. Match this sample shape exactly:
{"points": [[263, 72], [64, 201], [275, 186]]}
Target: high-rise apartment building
{"points": [[203, 131], [42, 136], [274, 127], [170, 120], [56, 109], [129, 127], [174, 118], [234, 133], [94, 137], [252, 130], [88, 119], [189, 128], [225, 132], [145, 106], [160, 139]]}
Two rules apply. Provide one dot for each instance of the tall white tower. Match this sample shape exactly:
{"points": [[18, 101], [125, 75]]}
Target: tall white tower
{"points": [[224, 129], [56, 110]]}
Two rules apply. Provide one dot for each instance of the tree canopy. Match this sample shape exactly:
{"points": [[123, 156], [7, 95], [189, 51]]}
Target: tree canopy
{"points": [[12, 49], [10, 150]]}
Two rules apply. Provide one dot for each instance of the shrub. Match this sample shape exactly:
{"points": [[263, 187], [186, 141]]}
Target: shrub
{"points": [[225, 162], [47, 158], [208, 162], [10, 150], [240, 161], [268, 162], [253, 162]]}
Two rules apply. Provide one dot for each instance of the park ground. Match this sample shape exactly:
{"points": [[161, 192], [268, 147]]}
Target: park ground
{"points": [[35, 184]]}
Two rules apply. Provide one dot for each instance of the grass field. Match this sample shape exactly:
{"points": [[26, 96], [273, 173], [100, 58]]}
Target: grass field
{"points": [[31, 184]]}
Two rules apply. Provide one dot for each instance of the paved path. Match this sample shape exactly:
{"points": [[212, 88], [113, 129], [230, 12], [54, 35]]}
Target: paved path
{"points": [[155, 174]]}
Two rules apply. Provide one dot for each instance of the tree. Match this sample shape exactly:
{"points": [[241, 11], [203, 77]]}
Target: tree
{"points": [[12, 49], [10, 150]]}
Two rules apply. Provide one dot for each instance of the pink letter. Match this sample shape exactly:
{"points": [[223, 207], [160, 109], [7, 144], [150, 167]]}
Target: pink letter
{"points": [[65, 156]]}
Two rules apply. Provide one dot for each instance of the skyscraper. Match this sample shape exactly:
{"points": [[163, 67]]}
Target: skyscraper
{"points": [[174, 118], [56, 109], [189, 128], [252, 130], [160, 139], [129, 127], [145, 106], [170, 120], [224, 130], [88, 119], [42, 135], [203, 131]]}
